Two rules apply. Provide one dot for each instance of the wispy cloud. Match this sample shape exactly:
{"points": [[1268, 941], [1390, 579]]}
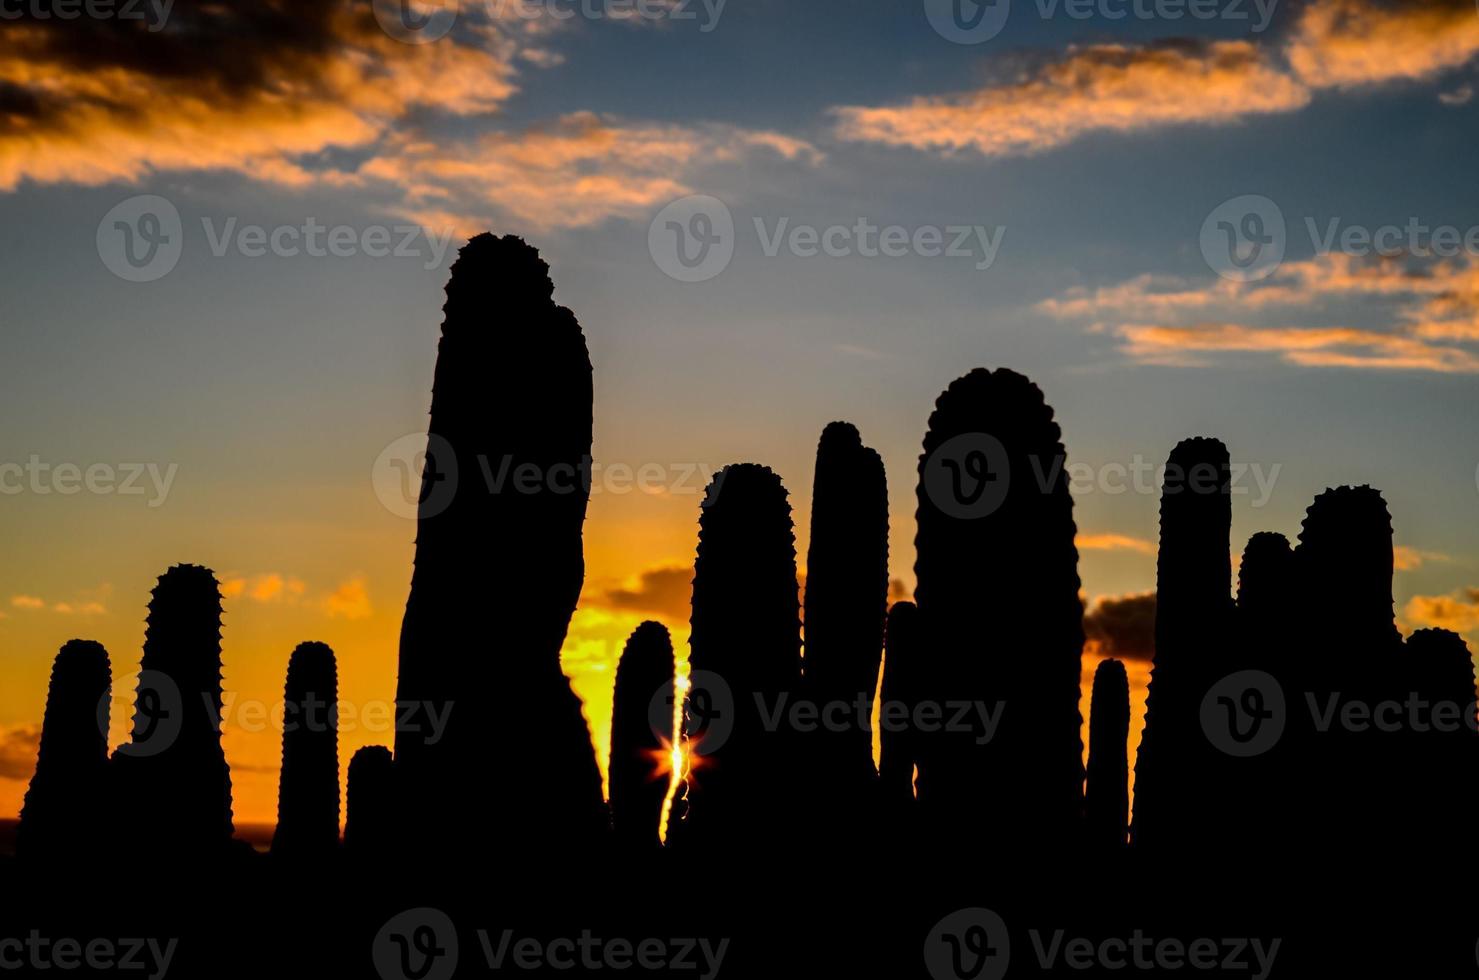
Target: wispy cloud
{"points": [[1114, 542], [1458, 611], [351, 600]]}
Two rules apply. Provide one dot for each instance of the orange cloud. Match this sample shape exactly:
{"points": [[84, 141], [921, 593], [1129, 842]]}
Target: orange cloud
{"points": [[1349, 43], [1114, 542], [18, 747], [663, 591], [267, 587], [27, 602], [350, 600], [1458, 612], [1406, 558], [1115, 88]]}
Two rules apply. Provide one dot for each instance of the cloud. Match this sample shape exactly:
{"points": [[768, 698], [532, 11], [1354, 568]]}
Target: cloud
{"points": [[1335, 44], [1431, 307], [1350, 43], [665, 591], [1458, 611], [577, 170], [1114, 542], [1122, 626], [350, 600], [1462, 95], [1116, 88], [266, 587], [1406, 558], [18, 747], [27, 602]]}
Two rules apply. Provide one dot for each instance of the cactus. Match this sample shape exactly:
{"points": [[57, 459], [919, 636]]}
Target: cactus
{"points": [[1176, 769], [308, 788], [898, 755], [1438, 762], [638, 771], [175, 784], [1107, 791], [998, 596], [499, 540], [370, 822], [60, 818], [846, 603], [746, 633]]}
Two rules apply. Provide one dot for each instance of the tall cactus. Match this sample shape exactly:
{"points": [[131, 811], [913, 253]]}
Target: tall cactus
{"points": [[172, 774], [846, 603], [898, 742], [370, 809], [1441, 759], [746, 650], [998, 594], [1107, 791], [308, 788], [499, 567], [371, 824], [639, 741], [60, 818], [1176, 770]]}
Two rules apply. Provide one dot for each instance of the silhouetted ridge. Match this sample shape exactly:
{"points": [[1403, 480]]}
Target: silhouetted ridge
{"points": [[370, 820], [639, 772], [1177, 768], [308, 787], [63, 817], [898, 741], [499, 568], [846, 603], [998, 594], [173, 777], [746, 632], [1106, 793]]}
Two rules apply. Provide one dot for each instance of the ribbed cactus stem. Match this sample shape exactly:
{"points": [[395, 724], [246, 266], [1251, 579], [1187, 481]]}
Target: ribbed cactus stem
{"points": [[642, 738], [1106, 793], [846, 603], [63, 811], [371, 814], [746, 633], [898, 743], [998, 594], [308, 787], [499, 568]]}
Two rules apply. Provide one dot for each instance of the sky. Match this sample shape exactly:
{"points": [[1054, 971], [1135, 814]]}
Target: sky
{"points": [[226, 228]]}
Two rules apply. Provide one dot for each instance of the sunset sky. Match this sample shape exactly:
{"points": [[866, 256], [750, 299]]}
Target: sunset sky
{"points": [[1093, 152]]}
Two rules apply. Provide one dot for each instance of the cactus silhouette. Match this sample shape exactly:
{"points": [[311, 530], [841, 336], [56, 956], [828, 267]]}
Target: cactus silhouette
{"points": [[1177, 768], [998, 595], [641, 740], [172, 774], [308, 788], [846, 603], [898, 749], [370, 825], [746, 662], [504, 497], [60, 819], [1441, 756], [1106, 790], [1351, 653]]}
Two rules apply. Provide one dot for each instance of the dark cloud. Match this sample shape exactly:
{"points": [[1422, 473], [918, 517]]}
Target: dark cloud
{"points": [[18, 751], [1122, 626], [664, 591]]}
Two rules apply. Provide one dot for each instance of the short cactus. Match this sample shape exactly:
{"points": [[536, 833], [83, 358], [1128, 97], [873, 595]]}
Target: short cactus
{"points": [[308, 787], [639, 770]]}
